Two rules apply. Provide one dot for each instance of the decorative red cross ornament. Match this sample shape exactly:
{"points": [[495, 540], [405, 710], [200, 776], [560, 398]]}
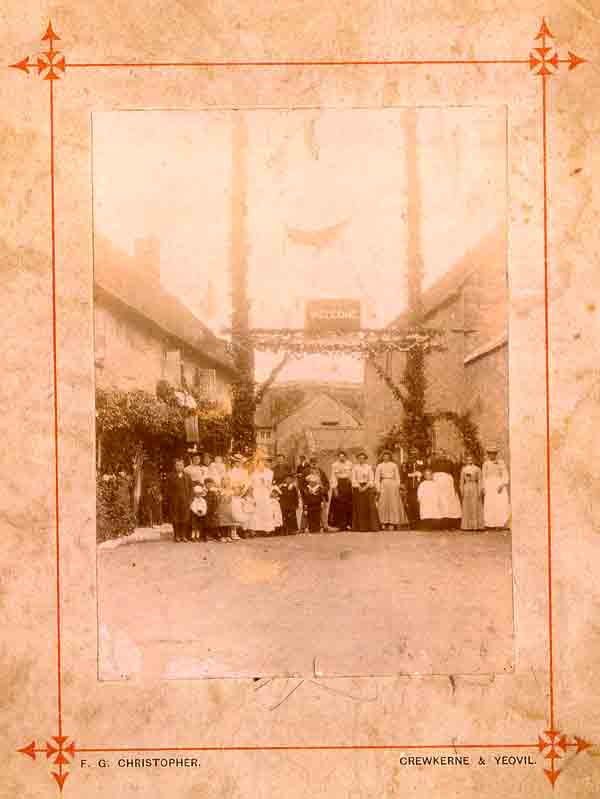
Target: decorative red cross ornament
{"points": [[58, 752], [544, 60], [50, 63], [554, 746]]}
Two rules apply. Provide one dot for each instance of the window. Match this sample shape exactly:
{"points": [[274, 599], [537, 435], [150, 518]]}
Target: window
{"points": [[329, 424], [205, 380]]}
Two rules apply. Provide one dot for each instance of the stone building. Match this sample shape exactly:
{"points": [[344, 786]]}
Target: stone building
{"points": [[322, 425], [470, 302], [143, 334]]}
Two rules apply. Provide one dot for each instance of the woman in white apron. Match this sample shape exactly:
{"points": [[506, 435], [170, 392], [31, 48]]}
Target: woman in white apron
{"points": [[449, 503], [496, 503], [261, 519]]}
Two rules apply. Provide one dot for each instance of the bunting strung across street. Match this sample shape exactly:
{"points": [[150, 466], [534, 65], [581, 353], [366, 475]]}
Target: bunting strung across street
{"points": [[364, 343]]}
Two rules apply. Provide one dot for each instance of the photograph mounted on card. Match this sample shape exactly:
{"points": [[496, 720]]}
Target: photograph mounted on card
{"points": [[302, 416]]}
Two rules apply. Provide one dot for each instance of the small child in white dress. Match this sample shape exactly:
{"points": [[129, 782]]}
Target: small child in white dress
{"points": [[198, 508]]}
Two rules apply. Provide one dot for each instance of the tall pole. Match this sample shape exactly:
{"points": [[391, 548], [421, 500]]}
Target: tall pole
{"points": [[415, 426], [243, 430], [413, 192]]}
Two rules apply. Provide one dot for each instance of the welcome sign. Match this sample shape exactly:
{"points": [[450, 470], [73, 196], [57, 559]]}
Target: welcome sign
{"points": [[325, 316]]}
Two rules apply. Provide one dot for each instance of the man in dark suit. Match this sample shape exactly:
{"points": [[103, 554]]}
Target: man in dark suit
{"points": [[302, 470], [281, 470], [411, 475], [179, 491], [314, 465]]}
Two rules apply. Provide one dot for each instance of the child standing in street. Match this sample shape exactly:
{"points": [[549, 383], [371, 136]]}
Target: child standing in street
{"points": [[227, 522], [198, 508], [313, 499], [212, 498]]}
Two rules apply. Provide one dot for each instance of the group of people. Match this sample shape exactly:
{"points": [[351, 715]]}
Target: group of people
{"points": [[245, 497], [213, 500], [469, 497]]}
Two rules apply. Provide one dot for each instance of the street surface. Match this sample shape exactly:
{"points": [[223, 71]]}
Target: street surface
{"points": [[328, 604]]}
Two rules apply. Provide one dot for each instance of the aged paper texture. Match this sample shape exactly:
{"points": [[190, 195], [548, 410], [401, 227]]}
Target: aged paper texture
{"points": [[96, 701]]}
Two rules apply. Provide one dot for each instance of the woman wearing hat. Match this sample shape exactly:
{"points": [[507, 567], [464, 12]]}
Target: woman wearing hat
{"points": [[387, 484], [496, 505], [364, 510]]}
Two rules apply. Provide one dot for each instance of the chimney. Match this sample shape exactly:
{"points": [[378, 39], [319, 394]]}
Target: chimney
{"points": [[147, 258]]}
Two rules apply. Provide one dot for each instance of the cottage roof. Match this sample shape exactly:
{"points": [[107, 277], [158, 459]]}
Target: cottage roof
{"points": [[314, 400], [121, 277], [451, 282]]}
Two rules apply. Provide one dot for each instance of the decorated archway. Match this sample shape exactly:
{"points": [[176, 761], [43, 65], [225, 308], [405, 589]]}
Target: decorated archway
{"points": [[368, 344]]}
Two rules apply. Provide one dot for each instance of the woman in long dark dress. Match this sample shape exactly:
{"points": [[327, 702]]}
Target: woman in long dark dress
{"points": [[289, 502], [364, 509], [340, 510]]}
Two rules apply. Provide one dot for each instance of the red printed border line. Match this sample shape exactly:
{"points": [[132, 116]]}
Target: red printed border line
{"points": [[543, 62]]}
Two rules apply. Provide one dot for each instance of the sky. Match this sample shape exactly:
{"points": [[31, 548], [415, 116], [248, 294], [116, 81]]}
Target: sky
{"points": [[326, 200]]}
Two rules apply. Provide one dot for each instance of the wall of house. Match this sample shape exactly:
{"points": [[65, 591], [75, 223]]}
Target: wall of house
{"points": [[131, 354], [312, 415], [322, 424], [382, 411], [265, 441], [486, 397], [127, 355], [212, 383], [486, 302], [444, 369], [444, 374]]}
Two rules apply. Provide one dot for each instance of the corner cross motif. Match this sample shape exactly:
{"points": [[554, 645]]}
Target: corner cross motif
{"points": [[544, 60], [58, 751], [553, 745], [50, 63]]}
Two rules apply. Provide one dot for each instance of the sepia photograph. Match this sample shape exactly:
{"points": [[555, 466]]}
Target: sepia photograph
{"points": [[302, 392]]}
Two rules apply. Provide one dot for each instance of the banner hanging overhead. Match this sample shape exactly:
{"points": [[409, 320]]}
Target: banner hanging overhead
{"points": [[325, 316]]}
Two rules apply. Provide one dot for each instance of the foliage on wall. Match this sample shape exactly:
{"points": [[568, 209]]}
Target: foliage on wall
{"points": [[414, 432], [469, 433], [466, 427], [114, 511], [128, 422], [131, 422]]}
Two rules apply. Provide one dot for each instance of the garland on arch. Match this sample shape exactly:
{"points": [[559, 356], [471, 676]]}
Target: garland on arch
{"points": [[369, 344], [468, 431], [364, 343]]}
